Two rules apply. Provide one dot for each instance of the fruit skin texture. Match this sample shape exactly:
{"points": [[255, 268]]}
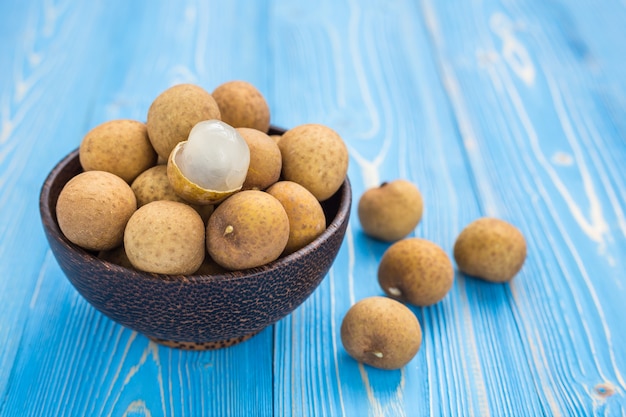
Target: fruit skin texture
{"points": [[491, 249], [248, 229], [315, 157], [381, 332], [165, 237], [392, 211], [121, 147], [93, 208], [241, 104], [416, 271], [265, 159], [175, 112], [306, 216]]}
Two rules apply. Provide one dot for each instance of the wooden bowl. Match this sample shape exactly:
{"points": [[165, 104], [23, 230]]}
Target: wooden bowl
{"points": [[194, 311]]}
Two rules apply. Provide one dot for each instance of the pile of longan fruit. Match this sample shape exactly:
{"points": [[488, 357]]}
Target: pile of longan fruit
{"points": [[382, 331], [132, 206]]}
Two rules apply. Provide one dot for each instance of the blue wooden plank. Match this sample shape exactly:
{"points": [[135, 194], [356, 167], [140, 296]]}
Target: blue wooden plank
{"points": [[399, 125], [545, 168], [74, 361], [109, 61], [35, 122], [506, 108]]}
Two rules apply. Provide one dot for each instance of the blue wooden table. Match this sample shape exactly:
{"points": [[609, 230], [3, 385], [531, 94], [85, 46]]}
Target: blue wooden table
{"points": [[508, 108]]}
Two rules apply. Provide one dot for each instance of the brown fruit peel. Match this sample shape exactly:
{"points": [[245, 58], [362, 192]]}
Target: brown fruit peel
{"points": [[187, 189]]}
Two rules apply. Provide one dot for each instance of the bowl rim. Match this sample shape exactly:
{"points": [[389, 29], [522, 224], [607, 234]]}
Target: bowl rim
{"points": [[49, 222]]}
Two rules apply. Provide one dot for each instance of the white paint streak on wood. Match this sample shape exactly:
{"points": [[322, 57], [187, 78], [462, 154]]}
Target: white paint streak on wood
{"points": [[595, 226], [334, 332], [489, 200], [590, 136], [498, 84], [538, 356], [531, 134], [184, 377], [546, 389], [337, 52], [513, 51], [48, 260], [137, 406], [488, 195], [351, 262], [370, 168], [118, 371], [595, 229], [354, 38], [397, 406], [474, 376], [170, 381], [376, 409]]}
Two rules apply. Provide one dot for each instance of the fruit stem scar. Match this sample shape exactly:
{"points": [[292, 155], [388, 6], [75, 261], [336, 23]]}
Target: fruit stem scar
{"points": [[395, 291], [377, 354], [229, 229]]}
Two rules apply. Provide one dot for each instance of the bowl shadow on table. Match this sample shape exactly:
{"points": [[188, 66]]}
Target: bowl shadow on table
{"points": [[382, 383], [495, 296], [194, 311], [374, 246]]}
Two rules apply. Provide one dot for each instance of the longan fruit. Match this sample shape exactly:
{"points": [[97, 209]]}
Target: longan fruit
{"points": [[391, 211], [121, 147], [241, 104], [175, 112], [416, 271], [165, 237], [265, 159], [93, 209], [306, 215], [316, 157], [381, 332], [248, 229], [491, 249]]}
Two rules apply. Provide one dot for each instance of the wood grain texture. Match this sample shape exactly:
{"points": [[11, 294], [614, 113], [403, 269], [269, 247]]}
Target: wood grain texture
{"points": [[506, 108]]}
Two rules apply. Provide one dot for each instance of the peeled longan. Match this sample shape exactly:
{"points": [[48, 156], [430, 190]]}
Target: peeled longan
{"points": [[121, 147], [265, 160], [93, 209], [381, 332], [491, 249], [241, 104], [315, 157], [392, 211], [211, 165], [306, 216], [248, 229], [175, 112], [416, 271], [165, 237]]}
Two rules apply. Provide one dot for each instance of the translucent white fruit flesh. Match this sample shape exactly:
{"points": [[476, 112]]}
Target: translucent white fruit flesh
{"points": [[215, 156]]}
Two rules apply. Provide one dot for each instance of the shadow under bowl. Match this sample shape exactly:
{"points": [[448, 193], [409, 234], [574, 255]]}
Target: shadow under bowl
{"points": [[194, 311]]}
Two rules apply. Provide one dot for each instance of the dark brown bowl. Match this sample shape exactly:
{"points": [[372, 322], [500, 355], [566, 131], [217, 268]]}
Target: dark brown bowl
{"points": [[194, 311]]}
